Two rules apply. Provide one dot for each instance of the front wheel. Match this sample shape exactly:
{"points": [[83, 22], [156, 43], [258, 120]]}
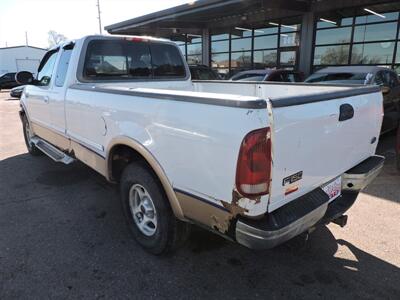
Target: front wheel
{"points": [[32, 149], [147, 211]]}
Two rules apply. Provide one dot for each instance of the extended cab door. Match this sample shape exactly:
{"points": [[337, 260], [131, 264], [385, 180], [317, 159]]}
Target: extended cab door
{"points": [[58, 90], [37, 96]]}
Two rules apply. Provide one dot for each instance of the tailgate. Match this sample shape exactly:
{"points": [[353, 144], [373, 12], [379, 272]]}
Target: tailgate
{"points": [[311, 146]]}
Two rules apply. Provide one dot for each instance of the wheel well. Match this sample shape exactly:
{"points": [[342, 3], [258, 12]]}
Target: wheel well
{"points": [[120, 157]]}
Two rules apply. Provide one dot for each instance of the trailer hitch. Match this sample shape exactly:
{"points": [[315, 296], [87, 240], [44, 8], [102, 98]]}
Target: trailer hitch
{"points": [[341, 221]]}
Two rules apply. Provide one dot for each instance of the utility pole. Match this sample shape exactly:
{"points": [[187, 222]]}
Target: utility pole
{"points": [[26, 38], [99, 16]]}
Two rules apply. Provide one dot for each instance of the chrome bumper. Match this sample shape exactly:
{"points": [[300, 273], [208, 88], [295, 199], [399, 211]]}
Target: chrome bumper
{"points": [[307, 211]]}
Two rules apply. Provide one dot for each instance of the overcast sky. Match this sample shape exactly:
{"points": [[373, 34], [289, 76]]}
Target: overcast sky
{"points": [[72, 18]]}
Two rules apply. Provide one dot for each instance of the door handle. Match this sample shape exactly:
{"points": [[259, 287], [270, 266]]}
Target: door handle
{"points": [[346, 112], [46, 99]]}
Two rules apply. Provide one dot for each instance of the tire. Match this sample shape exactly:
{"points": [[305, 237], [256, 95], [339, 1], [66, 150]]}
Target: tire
{"points": [[144, 201], [32, 149]]}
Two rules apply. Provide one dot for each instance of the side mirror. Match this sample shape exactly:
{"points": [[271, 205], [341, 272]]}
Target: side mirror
{"points": [[385, 89], [24, 77]]}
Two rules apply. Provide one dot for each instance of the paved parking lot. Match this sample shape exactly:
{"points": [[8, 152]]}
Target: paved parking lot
{"points": [[62, 235]]}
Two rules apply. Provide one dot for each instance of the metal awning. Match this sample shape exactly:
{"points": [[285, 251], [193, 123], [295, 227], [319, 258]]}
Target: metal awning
{"points": [[192, 18], [219, 15]]}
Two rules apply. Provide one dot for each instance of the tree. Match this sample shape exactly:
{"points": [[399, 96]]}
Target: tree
{"points": [[54, 38]]}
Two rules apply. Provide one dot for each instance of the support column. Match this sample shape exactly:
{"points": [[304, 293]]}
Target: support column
{"points": [[205, 38], [306, 43]]}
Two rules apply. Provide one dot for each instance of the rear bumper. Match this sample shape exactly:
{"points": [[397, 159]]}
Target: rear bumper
{"points": [[361, 175], [307, 211]]}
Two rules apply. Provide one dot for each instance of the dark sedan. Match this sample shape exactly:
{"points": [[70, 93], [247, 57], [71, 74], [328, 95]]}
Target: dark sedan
{"points": [[269, 75], [17, 91], [7, 81], [201, 72], [367, 75]]}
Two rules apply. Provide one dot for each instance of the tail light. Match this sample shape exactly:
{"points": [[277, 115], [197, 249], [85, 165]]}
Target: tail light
{"points": [[253, 173]]}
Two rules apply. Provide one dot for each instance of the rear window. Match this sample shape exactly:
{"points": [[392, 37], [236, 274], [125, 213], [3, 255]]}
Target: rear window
{"points": [[126, 60]]}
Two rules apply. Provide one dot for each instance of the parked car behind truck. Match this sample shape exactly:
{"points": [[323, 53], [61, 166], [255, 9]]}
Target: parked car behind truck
{"points": [[257, 163], [279, 75], [7, 81], [367, 75]]}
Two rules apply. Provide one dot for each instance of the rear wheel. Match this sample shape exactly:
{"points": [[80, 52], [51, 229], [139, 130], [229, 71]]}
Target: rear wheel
{"points": [[148, 213], [32, 149]]}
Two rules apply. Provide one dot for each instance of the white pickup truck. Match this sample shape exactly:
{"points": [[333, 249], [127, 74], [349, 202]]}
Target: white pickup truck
{"points": [[258, 163]]}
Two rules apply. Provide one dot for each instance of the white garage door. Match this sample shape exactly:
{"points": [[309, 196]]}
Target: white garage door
{"points": [[30, 65]]}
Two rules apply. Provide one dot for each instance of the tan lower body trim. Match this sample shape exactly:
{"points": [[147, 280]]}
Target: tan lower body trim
{"points": [[85, 155], [204, 213], [51, 136], [90, 158]]}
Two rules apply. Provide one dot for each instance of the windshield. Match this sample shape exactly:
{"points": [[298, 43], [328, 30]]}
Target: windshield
{"points": [[347, 78]]}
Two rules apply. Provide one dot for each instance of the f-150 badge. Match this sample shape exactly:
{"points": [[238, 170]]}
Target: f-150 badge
{"points": [[292, 178]]}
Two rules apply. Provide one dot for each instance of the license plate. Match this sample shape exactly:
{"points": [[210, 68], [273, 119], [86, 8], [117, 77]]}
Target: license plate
{"points": [[333, 189]]}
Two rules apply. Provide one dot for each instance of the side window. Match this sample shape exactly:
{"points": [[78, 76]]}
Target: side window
{"points": [[63, 67], [46, 68]]}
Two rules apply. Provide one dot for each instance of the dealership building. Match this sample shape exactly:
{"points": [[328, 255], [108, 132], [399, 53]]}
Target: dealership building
{"points": [[304, 35]]}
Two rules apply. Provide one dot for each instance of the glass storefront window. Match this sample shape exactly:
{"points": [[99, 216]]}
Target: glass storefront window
{"points": [[196, 40], [372, 53], [331, 55], [220, 60], [221, 46], [251, 47], [267, 30], [370, 18], [288, 57], [375, 32], [217, 37], [193, 49], [266, 42], [290, 27], [241, 59], [333, 36], [265, 59], [397, 70], [241, 44], [339, 22], [289, 39], [194, 59], [244, 33], [398, 53], [373, 41]]}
